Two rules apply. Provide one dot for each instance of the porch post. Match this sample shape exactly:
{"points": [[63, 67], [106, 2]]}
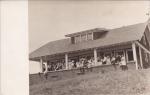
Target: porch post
{"points": [[66, 61], [41, 65], [95, 56], [140, 53], [135, 55]]}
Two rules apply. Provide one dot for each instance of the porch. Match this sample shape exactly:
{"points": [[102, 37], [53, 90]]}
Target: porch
{"points": [[130, 50]]}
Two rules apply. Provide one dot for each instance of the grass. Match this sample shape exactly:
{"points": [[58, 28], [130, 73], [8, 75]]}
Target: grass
{"points": [[131, 82]]}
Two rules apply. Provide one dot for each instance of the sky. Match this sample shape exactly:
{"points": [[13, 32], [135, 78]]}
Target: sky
{"points": [[51, 20]]}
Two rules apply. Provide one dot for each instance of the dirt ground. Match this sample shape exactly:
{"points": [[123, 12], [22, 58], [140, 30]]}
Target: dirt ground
{"points": [[131, 82]]}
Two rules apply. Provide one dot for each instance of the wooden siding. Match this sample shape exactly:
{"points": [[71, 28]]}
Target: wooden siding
{"points": [[145, 43]]}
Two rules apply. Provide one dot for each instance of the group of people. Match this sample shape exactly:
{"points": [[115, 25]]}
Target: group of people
{"points": [[89, 62], [120, 60], [82, 62], [102, 60], [54, 66]]}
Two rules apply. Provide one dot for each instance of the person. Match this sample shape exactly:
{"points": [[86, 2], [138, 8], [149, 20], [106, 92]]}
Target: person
{"points": [[45, 74], [78, 64], [90, 64], [123, 63], [99, 59], [104, 60], [70, 64], [113, 62], [74, 64], [85, 64], [48, 67], [82, 65], [118, 59], [108, 61]]}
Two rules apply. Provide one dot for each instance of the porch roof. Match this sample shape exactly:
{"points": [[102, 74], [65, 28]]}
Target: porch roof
{"points": [[113, 36]]}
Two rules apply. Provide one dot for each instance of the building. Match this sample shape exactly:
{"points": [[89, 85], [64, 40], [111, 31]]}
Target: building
{"points": [[132, 41]]}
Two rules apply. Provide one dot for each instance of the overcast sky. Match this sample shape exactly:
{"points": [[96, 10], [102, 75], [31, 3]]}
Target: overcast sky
{"points": [[51, 20]]}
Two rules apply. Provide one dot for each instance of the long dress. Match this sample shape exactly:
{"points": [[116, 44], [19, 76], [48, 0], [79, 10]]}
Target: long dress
{"points": [[123, 62]]}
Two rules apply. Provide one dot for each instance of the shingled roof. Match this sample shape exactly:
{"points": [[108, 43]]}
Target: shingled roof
{"points": [[113, 36]]}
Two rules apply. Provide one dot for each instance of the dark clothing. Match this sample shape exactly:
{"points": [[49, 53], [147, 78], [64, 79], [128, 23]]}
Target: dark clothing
{"points": [[124, 67], [104, 62], [75, 65], [118, 59], [114, 64]]}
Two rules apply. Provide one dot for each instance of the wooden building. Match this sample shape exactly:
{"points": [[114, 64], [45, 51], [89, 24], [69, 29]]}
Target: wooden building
{"points": [[132, 41]]}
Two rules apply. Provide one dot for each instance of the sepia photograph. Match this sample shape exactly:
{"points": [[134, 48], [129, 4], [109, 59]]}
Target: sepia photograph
{"points": [[89, 47], [75, 47]]}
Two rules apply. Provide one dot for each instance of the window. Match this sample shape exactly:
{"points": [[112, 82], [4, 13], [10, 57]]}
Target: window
{"points": [[83, 37], [108, 54], [129, 55], [89, 36], [72, 40], [77, 39]]}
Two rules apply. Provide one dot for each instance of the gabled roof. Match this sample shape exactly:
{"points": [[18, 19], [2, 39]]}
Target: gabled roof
{"points": [[114, 36]]}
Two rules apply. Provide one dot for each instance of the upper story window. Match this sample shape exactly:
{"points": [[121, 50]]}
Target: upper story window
{"points": [[83, 37], [89, 36], [77, 39]]}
